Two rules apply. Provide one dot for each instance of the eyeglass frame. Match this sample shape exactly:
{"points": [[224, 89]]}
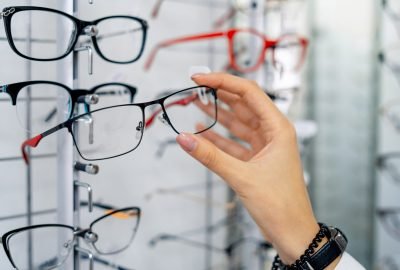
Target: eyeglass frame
{"points": [[229, 34], [382, 213], [380, 162], [77, 232], [9, 12], [75, 94], [34, 141]]}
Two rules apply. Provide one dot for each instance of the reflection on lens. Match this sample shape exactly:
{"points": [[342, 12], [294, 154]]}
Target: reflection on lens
{"points": [[248, 49], [52, 34], [108, 132], [187, 108], [38, 106], [57, 240], [116, 231], [288, 53], [127, 33]]}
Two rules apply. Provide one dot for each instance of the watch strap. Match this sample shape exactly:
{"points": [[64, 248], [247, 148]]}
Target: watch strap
{"points": [[330, 251]]}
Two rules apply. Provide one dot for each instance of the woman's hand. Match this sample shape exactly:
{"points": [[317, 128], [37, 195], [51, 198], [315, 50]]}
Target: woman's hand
{"points": [[267, 174]]}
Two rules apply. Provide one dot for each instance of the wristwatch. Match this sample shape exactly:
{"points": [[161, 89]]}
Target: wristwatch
{"points": [[334, 248]]}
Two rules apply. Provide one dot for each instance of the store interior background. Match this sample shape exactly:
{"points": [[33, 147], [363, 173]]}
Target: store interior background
{"points": [[343, 86]]}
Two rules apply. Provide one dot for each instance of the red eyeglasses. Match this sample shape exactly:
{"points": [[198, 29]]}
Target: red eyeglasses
{"points": [[247, 49]]}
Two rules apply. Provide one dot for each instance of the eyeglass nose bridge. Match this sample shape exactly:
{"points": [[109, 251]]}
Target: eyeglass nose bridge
{"points": [[91, 30]]}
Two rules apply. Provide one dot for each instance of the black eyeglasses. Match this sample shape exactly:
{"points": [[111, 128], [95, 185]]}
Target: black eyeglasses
{"points": [[390, 218], [55, 44], [109, 234], [390, 164], [392, 8], [390, 58], [48, 95], [117, 130]]}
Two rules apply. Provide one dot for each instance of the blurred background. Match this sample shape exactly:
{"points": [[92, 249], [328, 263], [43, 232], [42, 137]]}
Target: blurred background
{"points": [[332, 67]]}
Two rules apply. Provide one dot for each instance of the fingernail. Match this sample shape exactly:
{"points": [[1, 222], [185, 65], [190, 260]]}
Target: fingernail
{"points": [[197, 75], [187, 142]]}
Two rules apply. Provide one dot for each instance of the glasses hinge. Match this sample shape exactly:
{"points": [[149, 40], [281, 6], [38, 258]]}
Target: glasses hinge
{"points": [[3, 88], [6, 12]]}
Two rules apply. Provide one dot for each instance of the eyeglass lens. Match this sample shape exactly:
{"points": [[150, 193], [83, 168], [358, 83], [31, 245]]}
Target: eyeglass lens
{"points": [[42, 111], [117, 130], [188, 108], [48, 42], [246, 58], [108, 132], [55, 253], [110, 95], [392, 224], [116, 231], [288, 53], [123, 31]]}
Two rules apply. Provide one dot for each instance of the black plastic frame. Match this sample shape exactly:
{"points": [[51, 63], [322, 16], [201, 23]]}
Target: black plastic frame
{"points": [[14, 89], [79, 26], [69, 123], [78, 232]]}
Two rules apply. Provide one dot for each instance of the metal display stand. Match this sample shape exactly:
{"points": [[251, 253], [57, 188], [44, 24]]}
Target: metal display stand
{"points": [[68, 202]]}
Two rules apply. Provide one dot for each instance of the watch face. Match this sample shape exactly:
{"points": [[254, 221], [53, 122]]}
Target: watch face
{"points": [[341, 241]]}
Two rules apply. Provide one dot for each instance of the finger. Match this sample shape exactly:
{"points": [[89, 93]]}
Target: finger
{"points": [[228, 146], [248, 91], [240, 109], [210, 156], [235, 126]]}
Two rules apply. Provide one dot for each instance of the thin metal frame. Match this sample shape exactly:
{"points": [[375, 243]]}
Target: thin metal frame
{"points": [[78, 232], [33, 142]]}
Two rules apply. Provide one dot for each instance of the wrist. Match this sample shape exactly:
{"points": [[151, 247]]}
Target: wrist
{"points": [[324, 251], [295, 240]]}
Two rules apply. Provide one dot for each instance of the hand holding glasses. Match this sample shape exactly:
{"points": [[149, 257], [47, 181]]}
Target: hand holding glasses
{"points": [[247, 49], [117, 130], [109, 234], [103, 33]]}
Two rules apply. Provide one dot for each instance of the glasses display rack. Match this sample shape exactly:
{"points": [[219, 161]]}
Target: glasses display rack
{"points": [[387, 188]]}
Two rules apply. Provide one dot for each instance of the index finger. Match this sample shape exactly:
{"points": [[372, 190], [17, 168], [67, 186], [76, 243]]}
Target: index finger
{"points": [[248, 91]]}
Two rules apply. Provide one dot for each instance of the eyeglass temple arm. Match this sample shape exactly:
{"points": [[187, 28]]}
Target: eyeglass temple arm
{"points": [[225, 17], [182, 102], [171, 42], [156, 8], [34, 141], [123, 215]]}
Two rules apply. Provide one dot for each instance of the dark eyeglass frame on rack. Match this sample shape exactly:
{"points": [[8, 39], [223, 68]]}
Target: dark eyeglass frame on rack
{"points": [[392, 14], [393, 66], [229, 35], [87, 233], [87, 28], [33, 142], [382, 164], [76, 95], [383, 215]]}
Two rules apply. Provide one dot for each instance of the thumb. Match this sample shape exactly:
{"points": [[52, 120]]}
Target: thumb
{"points": [[209, 155]]}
